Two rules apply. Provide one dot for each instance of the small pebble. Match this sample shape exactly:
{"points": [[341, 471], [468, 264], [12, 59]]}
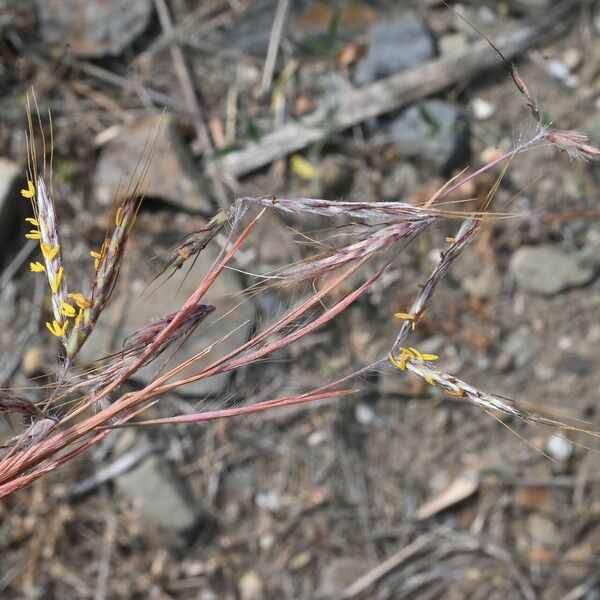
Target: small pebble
{"points": [[571, 58], [482, 109], [269, 500], [490, 154], [266, 541], [33, 362], [364, 414], [452, 43], [251, 586], [317, 437], [543, 531], [300, 561], [559, 448]]}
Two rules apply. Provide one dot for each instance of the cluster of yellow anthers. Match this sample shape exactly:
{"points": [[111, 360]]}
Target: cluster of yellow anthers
{"points": [[410, 353], [50, 252]]}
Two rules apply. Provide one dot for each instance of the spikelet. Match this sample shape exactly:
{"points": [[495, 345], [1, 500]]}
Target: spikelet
{"points": [[108, 259], [44, 227]]}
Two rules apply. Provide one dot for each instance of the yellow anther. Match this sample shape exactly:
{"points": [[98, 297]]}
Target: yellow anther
{"points": [[459, 394], [55, 283], [67, 310], [30, 191], [57, 329], [405, 316], [396, 362], [37, 267], [99, 256], [423, 357], [450, 240], [416, 353], [49, 251], [428, 379], [80, 300], [119, 216], [403, 360], [33, 221], [79, 317], [34, 234], [408, 352]]}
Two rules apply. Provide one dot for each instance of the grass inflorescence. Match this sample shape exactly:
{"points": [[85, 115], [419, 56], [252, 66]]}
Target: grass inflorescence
{"points": [[86, 404]]}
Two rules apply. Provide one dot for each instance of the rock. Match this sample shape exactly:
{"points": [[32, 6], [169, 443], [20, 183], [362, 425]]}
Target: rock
{"points": [[250, 30], [543, 531], [399, 44], [523, 6], [93, 28], [517, 352], [163, 497], [32, 363], [401, 182], [300, 561], [559, 448], [482, 109], [339, 574], [335, 179], [251, 586], [274, 244], [572, 58], [435, 131], [574, 363], [10, 199], [129, 312], [547, 270], [364, 414], [172, 175], [452, 42], [485, 285], [544, 373]]}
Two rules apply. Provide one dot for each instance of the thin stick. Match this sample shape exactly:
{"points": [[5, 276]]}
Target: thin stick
{"points": [[187, 87], [276, 32]]}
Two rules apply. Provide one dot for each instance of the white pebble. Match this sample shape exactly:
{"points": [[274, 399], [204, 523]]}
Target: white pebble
{"points": [[364, 414], [559, 448], [482, 109]]}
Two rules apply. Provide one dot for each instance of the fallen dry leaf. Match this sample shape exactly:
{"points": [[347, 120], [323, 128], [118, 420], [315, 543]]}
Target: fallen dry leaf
{"points": [[459, 489]]}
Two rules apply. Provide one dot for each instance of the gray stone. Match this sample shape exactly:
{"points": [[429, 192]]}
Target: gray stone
{"points": [[10, 173], [399, 44], [339, 574], [517, 352], [129, 312], [452, 42], [93, 28], [543, 531], [484, 285], [435, 131], [172, 175], [401, 182], [163, 497], [523, 6], [335, 179], [250, 31], [547, 270]]}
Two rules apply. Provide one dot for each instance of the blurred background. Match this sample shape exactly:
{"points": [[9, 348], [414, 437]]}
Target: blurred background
{"points": [[397, 491]]}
